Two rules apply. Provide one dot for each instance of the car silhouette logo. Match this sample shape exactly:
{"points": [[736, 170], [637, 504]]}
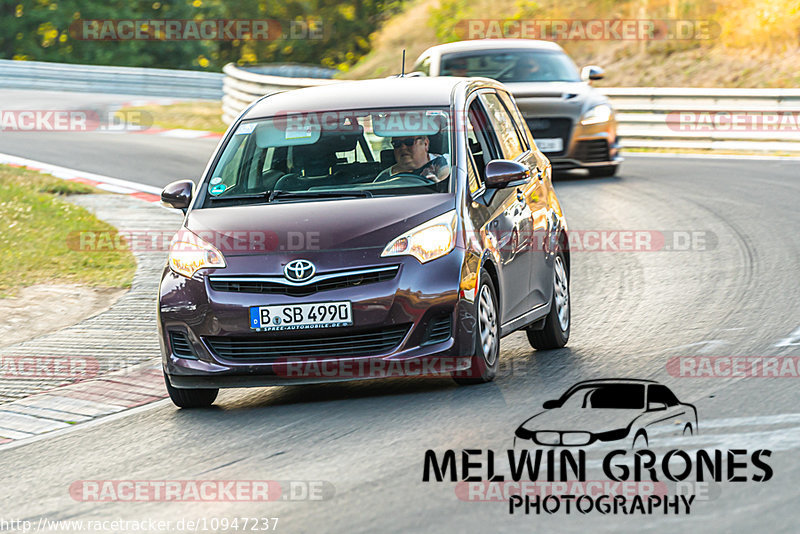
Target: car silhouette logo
{"points": [[617, 409], [299, 270]]}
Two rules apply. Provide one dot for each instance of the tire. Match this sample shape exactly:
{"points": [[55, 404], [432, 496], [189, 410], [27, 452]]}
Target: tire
{"points": [[484, 359], [555, 333], [603, 172], [190, 398], [640, 437]]}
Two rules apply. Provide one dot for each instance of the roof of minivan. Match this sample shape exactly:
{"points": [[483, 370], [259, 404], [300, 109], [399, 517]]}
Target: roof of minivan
{"points": [[492, 44], [365, 94]]}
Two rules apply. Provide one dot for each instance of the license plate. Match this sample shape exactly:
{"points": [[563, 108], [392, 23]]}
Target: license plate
{"points": [[301, 316], [550, 144]]}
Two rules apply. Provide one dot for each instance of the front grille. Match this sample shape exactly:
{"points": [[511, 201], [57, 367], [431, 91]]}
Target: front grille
{"points": [[268, 287], [180, 345], [439, 329], [592, 150], [301, 344], [550, 127]]}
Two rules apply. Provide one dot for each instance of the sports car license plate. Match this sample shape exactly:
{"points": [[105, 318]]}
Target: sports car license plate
{"points": [[301, 316], [550, 144]]}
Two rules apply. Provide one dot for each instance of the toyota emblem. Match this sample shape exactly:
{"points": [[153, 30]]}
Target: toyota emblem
{"points": [[299, 270]]}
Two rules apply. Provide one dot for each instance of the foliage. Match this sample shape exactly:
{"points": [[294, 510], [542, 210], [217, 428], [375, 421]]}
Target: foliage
{"points": [[39, 30]]}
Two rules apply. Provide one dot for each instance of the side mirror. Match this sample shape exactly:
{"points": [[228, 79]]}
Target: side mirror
{"points": [[592, 72], [178, 194], [549, 405], [504, 173], [656, 406]]}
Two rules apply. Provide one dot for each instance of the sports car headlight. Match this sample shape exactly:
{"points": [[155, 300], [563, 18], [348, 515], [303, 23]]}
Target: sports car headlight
{"points": [[427, 241], [188, 253], [597, 115]]}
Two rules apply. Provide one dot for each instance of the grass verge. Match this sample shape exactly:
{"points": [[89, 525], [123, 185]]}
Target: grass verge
{"points": [[197, 115], [35, 224]]}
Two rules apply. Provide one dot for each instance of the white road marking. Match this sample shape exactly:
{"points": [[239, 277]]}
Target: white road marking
{"points": [[792, 341], [70, 174]]}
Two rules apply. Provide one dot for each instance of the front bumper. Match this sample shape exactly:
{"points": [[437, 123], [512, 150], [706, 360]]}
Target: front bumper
{"points": [[419, 300], [595, 145]]}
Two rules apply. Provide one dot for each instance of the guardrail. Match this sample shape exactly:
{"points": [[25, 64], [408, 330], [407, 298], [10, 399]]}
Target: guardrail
{"points": [[647, 117], [715, 119], [242, 87], [117, 80]]}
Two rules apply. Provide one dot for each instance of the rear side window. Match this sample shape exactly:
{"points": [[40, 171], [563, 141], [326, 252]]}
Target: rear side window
{"points": [[503, 124], [662, 394]]}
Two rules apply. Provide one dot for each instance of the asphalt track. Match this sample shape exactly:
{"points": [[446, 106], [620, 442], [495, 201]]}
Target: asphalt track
{"points": [[632, 312]]}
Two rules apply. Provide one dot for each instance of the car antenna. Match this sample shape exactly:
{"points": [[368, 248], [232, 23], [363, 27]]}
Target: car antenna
{"points": [[403, 65]]}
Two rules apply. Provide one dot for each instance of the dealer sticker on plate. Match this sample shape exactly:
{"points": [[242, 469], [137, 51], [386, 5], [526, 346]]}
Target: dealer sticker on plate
{"points": [[301, 316], [550, 144]]}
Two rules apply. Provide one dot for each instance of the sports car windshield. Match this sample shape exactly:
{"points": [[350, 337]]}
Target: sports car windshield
{"points": [[512, 66], [607, 396], [327, 155]]}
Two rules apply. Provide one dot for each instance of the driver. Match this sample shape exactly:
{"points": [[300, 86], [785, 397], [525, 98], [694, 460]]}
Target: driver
{"points": [[412, 157], [525, 69]]}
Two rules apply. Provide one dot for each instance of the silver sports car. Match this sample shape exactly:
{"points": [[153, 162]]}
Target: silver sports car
{"points": [[572, 122]]}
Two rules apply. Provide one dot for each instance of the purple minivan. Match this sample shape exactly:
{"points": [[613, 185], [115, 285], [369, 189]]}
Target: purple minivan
{"points": [[369, 229]]}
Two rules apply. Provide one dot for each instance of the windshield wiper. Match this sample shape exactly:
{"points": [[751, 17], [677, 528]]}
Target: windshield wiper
{"points": [[278, 193], [262, 194]]}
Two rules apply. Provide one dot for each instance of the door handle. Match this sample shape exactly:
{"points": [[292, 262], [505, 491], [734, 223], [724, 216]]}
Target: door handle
{"points": [[520, 195], [539, 173]]}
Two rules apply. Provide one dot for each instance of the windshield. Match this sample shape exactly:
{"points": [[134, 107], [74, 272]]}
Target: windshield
{"points": [[610, 396], [512, 66], [327, 155]]}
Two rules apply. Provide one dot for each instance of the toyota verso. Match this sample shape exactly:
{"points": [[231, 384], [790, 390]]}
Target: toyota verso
{"points": [[362, 230]]}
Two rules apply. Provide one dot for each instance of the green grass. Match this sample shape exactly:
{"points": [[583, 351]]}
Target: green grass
{"points": [[199, 115], [37, 227]]}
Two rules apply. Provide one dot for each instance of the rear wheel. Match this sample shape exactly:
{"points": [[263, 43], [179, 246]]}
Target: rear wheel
{"points": [[487, 340], [603, 172], [190, 398], [555, 333]]}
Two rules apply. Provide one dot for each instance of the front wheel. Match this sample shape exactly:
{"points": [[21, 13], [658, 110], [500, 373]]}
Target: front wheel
{"points": [[555, 333], [484, 359], [190, 398]]}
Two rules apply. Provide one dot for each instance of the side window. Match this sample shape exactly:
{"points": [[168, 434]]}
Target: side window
{"points": [[481, 142], [504, 126], [516, 117], [660, 393], [473, 176]]}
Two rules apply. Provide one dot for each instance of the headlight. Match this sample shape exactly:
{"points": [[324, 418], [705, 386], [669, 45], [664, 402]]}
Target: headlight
{"points": [[548, 438], [596, 115], [576, 438], [188, 254], [427, 241]]}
